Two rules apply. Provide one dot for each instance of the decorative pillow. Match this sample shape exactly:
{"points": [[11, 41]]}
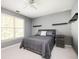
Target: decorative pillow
{"points": [[43, 33]]}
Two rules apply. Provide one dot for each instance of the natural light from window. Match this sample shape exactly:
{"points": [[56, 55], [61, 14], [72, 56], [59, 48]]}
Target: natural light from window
{"points": [[11, 27]]}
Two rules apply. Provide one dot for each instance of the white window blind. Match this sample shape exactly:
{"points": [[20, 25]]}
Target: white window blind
{"points": [[11, 27]]}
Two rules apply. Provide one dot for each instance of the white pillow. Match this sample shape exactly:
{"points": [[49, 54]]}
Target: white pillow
{"points": [[43, 33]]}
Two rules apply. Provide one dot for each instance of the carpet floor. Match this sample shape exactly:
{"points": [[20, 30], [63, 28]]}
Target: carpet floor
{"points": [[13, 52]]}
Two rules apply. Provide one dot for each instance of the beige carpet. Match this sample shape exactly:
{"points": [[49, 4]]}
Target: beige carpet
{"points": [[63, 53], [13, 52]]}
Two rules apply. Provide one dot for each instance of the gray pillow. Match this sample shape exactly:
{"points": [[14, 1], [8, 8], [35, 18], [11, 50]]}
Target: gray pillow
{"points": [[49, 33], [38, 33]]}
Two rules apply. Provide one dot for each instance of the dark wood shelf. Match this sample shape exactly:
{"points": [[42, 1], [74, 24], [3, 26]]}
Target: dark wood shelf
{"points": [[59, 24], [74, 18], [37, 25]]}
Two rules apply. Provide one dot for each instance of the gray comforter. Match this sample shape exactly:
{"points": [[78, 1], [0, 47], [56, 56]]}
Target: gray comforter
{"points": [[39, 44]]}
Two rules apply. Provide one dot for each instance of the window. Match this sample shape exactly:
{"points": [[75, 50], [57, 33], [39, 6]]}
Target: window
{"points": [[11, 27], [19, 27]]}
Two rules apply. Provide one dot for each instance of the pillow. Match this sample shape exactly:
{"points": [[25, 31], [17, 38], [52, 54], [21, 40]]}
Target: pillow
{"points": [[38, 33], [49, 33], [43, 33]]}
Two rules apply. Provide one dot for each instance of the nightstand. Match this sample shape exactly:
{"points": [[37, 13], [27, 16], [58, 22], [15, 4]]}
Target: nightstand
{"points": [[60, 42]]}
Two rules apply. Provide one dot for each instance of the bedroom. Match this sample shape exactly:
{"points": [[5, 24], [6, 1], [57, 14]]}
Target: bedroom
{"points": [[39, 19]]}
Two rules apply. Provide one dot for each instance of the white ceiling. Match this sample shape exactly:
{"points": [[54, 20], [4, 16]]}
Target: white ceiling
{"points": [[43, 7]]}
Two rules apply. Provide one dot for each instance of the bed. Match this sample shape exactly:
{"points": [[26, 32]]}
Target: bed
{"points": [[41, 45]]}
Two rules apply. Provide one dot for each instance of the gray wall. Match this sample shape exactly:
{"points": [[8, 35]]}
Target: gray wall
{"points": [[74, 26], [47, 21], [27, 29]]}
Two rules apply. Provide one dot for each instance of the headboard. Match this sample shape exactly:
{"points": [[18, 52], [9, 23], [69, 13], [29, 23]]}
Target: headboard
{"points": [[53, 30]]}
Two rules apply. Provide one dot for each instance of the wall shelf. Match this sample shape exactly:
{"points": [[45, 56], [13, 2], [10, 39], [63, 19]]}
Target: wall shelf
{"points": [[74, 18], [59, 24], [37, 25]]}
